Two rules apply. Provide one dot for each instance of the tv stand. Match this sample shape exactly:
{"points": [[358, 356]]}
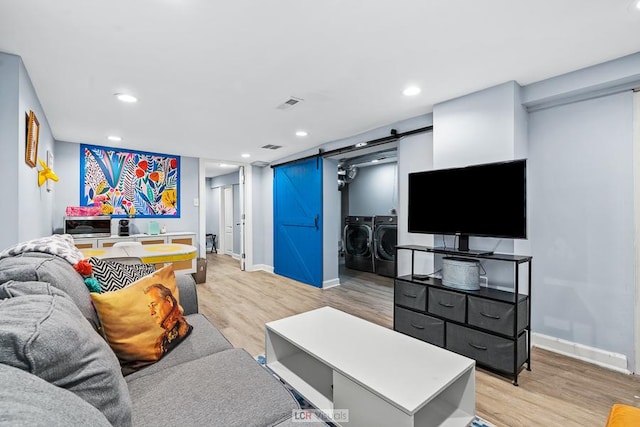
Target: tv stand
{"points": [[492, 326], [471, 253]]}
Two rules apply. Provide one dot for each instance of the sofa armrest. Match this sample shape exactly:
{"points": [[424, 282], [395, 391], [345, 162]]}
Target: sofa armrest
{"points": [[188, 293]]}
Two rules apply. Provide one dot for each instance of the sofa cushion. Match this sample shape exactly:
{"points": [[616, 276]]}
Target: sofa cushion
{"points": [[143, 321], [114, 275], [228, 388], [45, 334], [26, 400], [35, 266], [12, 289], [204, 340]]}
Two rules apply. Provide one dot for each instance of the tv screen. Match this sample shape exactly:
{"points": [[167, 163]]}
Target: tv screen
{"points": [[487, 200]]}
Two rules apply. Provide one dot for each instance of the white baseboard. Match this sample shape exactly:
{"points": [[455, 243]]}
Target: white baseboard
{"points": [[330, 283], [269, 269], [606, 359], [262, 267]]}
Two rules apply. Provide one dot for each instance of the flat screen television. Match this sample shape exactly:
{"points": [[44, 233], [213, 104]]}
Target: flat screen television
{"points": [[488, 200]]}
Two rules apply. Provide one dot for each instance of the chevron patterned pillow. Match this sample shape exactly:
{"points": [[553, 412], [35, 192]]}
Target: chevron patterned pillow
{"points": [[113, 275]]}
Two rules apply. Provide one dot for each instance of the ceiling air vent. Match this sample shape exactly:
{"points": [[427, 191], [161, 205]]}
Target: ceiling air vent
{"points": [[271, 147], [290, 102]]}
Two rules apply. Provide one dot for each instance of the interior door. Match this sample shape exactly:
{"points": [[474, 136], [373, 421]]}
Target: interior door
{"points": [[228, 220], [297, 216]]}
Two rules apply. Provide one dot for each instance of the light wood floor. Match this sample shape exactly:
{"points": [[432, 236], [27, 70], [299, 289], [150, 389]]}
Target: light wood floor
{"points": [[558, 391]]}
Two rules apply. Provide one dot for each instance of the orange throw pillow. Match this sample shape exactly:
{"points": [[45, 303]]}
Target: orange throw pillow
{"points": [[623, 416], [143, 321]]}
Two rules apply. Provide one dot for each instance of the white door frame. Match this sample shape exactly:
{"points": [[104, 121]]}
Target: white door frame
{"points": [[636, 216], [241, 203]]}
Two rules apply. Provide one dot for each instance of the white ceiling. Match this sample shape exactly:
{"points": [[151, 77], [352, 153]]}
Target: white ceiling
{"points": [[210, 74]]}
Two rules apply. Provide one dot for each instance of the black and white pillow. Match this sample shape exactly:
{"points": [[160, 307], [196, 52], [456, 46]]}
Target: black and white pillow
{"points": [[113, 275]]}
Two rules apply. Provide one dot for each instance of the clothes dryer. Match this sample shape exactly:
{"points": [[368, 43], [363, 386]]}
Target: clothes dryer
{"points": [[385, 232], [358, 243]]}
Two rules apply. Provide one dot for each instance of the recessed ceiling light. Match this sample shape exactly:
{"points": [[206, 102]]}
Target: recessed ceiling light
{"points": [[638, 5], [411, 91], [126, 97], [360, 144], [375, 161], [114, 138], [301, 133], [246, 155]]}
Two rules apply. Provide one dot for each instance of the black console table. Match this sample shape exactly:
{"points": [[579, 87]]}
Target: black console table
{"points": [[489, 325]]}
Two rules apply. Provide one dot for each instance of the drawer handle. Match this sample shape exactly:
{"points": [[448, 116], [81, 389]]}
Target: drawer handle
{"points": [[417, 326], [478, 347], [445, 304], [490, 316], [410, 295]]}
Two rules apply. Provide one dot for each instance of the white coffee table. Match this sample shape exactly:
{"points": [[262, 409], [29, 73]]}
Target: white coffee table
{"points": [[384, 378]]}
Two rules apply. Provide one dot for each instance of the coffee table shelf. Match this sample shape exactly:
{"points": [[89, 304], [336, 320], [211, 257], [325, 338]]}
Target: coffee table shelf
{"points": [[339, 361]]}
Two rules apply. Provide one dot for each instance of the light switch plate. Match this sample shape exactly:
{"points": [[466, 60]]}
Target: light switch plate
{"points": [[196, 202]]}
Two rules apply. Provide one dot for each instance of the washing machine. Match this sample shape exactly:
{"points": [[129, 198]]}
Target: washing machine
{"points": [[385, 239], [358, 243]]}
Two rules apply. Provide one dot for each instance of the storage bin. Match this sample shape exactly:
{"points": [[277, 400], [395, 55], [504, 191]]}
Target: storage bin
{"points": [[200, 276]]}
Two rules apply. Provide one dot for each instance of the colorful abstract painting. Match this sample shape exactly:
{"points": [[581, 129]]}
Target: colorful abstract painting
{"points": [[130, 183]]}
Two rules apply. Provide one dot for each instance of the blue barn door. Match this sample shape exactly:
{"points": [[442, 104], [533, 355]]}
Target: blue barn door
{"points": [[297, 217]]}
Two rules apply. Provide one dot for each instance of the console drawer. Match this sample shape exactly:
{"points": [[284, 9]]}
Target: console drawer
{"points": [[410, 295], [496, 316], [450, 305], [488, 350], [423, 327]]}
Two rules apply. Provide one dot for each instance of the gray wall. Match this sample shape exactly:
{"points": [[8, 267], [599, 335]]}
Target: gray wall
{"points": [[27, 207], [68, 192], [232, 178], [582, 231], [330, 221], [263, 217], [478, 128], [36, 203], [415, 154], [374, 191], [12, 146]]}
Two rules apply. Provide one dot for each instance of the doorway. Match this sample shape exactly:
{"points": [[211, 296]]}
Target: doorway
{"points": [[223, 211], [368, 183]]}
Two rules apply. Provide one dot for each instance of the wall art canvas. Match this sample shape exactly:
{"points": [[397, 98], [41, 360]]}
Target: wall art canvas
{"points": [[130, 183]]}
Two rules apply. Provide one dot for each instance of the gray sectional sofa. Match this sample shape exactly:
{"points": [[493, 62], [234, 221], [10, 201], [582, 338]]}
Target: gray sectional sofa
{"points": [[56, 370]]}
